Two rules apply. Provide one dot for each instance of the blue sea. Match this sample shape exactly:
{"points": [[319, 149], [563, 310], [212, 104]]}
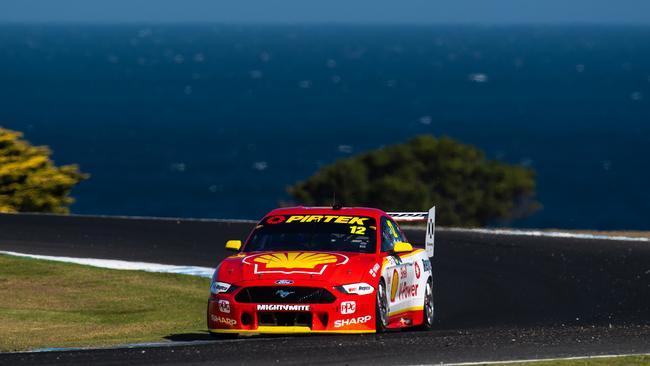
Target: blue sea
{"points": [[217, 120]]}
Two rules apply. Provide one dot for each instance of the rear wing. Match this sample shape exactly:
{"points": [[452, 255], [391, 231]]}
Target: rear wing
{"points": [[428, 217]]}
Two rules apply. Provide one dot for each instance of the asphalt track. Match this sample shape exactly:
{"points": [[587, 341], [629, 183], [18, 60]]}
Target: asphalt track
{"points": [[498, 297]]}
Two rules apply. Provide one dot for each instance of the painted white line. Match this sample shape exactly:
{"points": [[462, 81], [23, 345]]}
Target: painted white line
{"points": [[551, 234], [123, 265], [124, 346], [142, 345], [535, 360]]}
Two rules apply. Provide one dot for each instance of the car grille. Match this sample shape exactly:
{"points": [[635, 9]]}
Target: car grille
{"points": [[284, 319], [285, 295]]}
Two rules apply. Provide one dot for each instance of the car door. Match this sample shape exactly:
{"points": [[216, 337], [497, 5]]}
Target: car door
{"points": [[399, 274]]}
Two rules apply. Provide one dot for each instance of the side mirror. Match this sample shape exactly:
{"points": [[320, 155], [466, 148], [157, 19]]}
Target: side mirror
{"points": [[402, 247], [233, 245]]}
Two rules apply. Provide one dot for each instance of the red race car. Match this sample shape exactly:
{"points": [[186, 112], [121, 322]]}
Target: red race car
{"points": [[324, 270]]}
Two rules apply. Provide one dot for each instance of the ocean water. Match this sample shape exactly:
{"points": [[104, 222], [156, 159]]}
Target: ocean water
{"points": [[217, 120]]}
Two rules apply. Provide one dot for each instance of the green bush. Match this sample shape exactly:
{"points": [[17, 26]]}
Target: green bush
{"points": [[29, 180], [467, 188]]}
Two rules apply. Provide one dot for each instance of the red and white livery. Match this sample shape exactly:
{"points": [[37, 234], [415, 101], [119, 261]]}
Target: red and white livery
{"points": [[325, 270]]}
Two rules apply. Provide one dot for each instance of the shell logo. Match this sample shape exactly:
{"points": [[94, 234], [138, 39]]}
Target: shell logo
{"points": [[294, 262], [394, 285]]}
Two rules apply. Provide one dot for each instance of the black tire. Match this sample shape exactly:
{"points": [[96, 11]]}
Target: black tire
{"points": [[381, 307], [428, 307]]}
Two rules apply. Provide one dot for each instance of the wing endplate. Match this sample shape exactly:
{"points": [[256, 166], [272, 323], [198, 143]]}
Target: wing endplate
{"points": [[431, 231], [408, 216], [428, 217]]}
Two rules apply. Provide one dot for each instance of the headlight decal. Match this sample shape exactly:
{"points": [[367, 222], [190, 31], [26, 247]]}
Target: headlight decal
{"points": [[219, 287], [361, 288]]}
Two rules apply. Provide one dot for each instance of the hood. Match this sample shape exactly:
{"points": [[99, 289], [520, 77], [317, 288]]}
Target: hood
{"points": [[333, 267]]}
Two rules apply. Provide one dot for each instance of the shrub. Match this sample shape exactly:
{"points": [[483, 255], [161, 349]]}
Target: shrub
{"points": [[29, 180], [467, 188]]}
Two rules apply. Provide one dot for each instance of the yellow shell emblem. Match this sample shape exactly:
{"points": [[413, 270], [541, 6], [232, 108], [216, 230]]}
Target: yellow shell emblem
{"points": [[295, 260], [394, 285]]}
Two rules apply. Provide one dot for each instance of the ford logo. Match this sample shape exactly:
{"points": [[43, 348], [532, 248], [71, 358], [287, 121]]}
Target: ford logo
{"points": [[283, 282]]}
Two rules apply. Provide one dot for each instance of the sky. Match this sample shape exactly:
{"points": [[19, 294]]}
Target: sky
{"points": [[328, 11]]}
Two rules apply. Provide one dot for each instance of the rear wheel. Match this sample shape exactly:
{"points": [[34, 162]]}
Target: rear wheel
{"points": [[428, 309], [381, 318]]}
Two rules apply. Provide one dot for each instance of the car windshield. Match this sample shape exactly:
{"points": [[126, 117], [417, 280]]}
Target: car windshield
{"points": [[314, 233]]}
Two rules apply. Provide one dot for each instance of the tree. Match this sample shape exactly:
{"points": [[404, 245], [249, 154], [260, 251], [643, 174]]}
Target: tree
{"points": [[467, 188], [29, 180]]}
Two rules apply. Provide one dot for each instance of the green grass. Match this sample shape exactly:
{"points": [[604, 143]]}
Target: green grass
{"points": [[51, 304], [605, 361]]}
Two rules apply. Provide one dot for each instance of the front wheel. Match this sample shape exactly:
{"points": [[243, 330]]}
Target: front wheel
{"points": [[427, 310], [381, 308]]}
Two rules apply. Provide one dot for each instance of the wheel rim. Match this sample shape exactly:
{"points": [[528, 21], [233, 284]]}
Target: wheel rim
{"points": [[382, 304], [428, 304]]}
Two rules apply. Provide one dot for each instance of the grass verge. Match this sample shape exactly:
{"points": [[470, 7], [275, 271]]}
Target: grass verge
{"points": [[51, 304], [604, 361]]}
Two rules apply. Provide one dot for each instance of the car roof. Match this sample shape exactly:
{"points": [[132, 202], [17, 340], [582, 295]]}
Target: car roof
{"points": [[344, 211]]}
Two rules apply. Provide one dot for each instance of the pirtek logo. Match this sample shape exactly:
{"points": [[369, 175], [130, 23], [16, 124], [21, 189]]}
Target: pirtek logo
{"points": [[352, 321], [269, 307], [350, 220]]}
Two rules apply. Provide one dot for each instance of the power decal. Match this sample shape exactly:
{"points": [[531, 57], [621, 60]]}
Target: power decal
{"points": [[407, 291]]}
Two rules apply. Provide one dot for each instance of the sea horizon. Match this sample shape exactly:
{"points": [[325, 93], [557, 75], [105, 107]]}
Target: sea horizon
{"points": [[215, 121]]}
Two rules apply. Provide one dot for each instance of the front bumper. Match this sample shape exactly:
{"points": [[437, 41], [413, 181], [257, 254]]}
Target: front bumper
{"points": [[348, 313], [288, 330]]}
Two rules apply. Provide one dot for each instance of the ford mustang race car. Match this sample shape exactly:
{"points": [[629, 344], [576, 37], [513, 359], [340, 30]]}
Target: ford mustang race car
{"points": [[324, 270]]}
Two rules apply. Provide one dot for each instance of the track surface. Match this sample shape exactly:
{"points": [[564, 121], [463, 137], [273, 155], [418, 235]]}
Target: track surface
{"points": [[497, 296]]}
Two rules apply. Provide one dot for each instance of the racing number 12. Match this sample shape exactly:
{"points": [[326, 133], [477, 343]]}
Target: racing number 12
{"points": [[357, 230]]}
